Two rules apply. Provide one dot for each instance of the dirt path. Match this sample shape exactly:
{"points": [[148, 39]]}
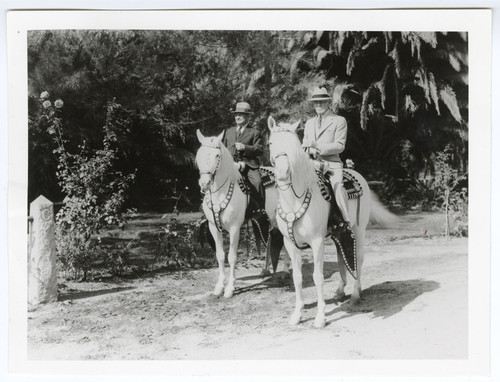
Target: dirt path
{"points": [[414, 306]]}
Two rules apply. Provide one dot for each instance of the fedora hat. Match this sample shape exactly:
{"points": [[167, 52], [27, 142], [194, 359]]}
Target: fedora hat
{"points": [[242, 107], [320, 94]]}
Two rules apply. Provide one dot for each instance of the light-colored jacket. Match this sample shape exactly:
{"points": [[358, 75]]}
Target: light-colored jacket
{"points": [[330, 137]]}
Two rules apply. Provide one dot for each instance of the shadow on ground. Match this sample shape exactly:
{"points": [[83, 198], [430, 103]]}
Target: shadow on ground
{"points": [[381, 300], [282, 279], [74, 294]]}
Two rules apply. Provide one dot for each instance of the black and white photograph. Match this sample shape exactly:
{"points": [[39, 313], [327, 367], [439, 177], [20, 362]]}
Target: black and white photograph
{"points": [[235, 186]]}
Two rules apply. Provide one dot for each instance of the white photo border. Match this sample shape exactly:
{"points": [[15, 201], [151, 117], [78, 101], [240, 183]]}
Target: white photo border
{"points": [[477, 22]]}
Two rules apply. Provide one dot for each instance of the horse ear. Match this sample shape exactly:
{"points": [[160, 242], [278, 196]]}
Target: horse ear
{"points": [[293, 127], [271, 123], [200, 136]]}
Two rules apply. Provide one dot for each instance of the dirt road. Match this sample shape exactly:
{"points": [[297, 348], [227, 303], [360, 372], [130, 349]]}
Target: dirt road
{"points": [[414, 306]]}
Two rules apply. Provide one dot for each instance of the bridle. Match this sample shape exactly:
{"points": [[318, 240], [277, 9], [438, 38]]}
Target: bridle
{"points": [[286, 186], [217, 166], [217, 208], [291, 217]]}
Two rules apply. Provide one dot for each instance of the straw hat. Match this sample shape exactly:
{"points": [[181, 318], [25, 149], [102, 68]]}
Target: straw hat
{"points": [[320, 94], [242, 107]]}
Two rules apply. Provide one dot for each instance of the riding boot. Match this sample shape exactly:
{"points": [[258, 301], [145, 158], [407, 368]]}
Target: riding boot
{"points": [[341, 199], [343, 237]]}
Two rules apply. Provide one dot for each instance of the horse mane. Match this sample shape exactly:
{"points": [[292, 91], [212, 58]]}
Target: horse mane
{"points": [[227, 157], [300, 163]]}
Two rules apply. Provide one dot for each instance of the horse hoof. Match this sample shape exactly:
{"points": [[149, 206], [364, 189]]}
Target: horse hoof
{"points": [[265, 273], [294, 320], [339, 296], [355, 300], [319, 322], [284, 276], [228, 293], [218, 291]]}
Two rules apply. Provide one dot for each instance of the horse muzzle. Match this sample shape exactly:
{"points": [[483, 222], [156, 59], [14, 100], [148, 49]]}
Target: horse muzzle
{"points": [[205, 182], [282, 173]]}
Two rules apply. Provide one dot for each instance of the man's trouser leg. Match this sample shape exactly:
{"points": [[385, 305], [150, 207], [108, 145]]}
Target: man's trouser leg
{"points": [[255, 180], [336, 175]]}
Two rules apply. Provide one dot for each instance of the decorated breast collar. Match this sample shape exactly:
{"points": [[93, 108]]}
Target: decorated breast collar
{"points": [[219, 207], [291, 217]]}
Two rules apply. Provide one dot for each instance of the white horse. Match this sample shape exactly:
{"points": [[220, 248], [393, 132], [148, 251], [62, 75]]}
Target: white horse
{"points": [[303, 216], [225, 206]]}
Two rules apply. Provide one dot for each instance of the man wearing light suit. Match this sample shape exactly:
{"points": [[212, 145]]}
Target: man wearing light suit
{"points": [[324, 139], [245, 145]]}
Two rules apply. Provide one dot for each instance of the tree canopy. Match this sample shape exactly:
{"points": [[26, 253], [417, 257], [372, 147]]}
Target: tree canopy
{"points": [[404, 95]]}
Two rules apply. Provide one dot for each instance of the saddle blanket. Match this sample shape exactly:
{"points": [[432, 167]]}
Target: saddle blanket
{"points": [[349, 182]]}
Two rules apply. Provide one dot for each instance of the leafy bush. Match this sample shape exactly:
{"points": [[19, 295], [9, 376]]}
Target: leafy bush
{"points": [[95, 191], [451, 194], [176, 245], [445, 191]]}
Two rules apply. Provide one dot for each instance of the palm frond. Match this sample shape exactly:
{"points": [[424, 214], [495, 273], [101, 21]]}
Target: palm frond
{"points": [[370, 42], [338, 92], [454, 62], [449, 98], [352, 56], [394, 54], [414, 40], [381, 87], [366, 106], [434, 92], [320, 54], [363, 112], [295, 61], [410, 106], [428, 37], [338, 39], [254, 78], [388, 41]]}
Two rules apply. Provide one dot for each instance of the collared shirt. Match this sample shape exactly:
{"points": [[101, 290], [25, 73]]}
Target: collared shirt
{"points": [[239, 130]]}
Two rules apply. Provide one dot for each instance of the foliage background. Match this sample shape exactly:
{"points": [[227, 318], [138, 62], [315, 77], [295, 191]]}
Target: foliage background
{"points": [[404, 95]]}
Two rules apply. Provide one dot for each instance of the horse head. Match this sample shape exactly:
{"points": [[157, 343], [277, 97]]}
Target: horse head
{"points": [[208, 158], [280, 147]]}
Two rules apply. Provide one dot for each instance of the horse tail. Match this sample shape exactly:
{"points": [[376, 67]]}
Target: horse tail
{"points": [[380, 215]]}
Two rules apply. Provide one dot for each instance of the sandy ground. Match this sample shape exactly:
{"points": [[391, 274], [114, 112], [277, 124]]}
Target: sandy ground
{"points": [[414, 306]]}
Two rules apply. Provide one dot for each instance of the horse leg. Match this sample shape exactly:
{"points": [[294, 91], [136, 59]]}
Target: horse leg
{"points": [[360, 241], [296, 260], [318, 248], [286, 265], [265, 272], [234, 236], [340, 293], [219, 251]]}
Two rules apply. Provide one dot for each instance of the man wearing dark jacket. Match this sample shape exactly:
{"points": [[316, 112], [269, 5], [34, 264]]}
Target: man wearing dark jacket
{"points": [[245, 145]]}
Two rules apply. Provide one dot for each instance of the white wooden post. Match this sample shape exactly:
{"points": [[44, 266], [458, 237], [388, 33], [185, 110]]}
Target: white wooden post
{"points": [[42, 273]]}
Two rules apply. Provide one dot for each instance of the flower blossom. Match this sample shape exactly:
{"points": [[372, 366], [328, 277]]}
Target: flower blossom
{"points": [[46, 104], [44, 95], [59, 103]]}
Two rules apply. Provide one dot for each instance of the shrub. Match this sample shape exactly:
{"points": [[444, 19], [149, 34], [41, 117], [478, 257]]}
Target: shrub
{"points": [[451, 194], [95, 191]]}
